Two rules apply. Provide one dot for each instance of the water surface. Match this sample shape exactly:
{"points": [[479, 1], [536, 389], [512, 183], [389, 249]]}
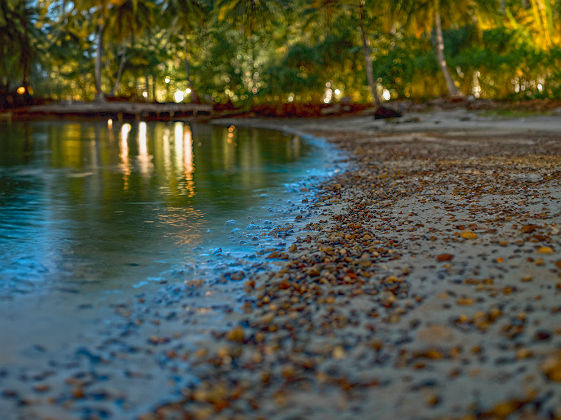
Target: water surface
{"points": [[94, 217], [101, 206]]}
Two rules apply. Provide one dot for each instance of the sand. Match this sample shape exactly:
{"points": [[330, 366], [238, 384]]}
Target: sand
{"points": [[429, 288], [425, 284]]}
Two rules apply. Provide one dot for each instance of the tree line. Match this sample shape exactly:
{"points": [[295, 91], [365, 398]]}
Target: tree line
{"points": [[244, 51]]}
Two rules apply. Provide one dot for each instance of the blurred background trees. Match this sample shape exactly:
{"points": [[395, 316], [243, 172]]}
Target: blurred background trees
{"points": [[251, 51]]}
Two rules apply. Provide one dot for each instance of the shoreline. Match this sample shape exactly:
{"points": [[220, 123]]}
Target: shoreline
{"points": [[429, 291], [145, 337], [412, 294]]}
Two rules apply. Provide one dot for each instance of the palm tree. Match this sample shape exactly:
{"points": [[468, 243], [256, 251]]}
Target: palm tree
{"points": [[18, 35], [385, 13], [542, 18], [98, 11], [185, 16], [368, 56], [128, 20], [250, 16], [428, 15]]}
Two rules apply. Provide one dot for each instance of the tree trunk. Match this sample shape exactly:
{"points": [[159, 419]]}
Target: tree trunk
{"points": [[154, 88], [439, 45], [368, 59], [99, 96], [119, 74], [194, 96], [147, 86], [25, 56]]}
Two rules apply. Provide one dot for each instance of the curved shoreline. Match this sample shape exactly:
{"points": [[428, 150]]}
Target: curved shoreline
{"points": [[121, 365], [427, 287], [430, 291]]}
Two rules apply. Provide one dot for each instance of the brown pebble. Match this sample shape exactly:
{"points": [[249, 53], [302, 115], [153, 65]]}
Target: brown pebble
{"points": [[444, 257]]}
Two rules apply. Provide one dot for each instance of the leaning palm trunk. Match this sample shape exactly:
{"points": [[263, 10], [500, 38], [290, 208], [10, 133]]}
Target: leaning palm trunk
{"points": [[368, 59], [439, 46], [119, 74], [99, 96]]}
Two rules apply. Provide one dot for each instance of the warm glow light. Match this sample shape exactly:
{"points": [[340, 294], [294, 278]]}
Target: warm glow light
{"points": [[143, 157], [125, 130], [142, 139], [188, 155], [178, 96], [21, 90], [145, 94], [540, 87], [187, 91], [328, 94], [386, 95], [110, 123], [290, 97], [167, 79], [178, 142], [337, 92], [166, 150], [230, 137], [124, 154]]}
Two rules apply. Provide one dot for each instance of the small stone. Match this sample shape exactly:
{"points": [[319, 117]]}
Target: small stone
{"points": [[78, 393], [551, 368], [338, 352], [545, 250], [444, 257], [523, 353], [468, 235], [433, 399], [235, 334], [542, 335]]}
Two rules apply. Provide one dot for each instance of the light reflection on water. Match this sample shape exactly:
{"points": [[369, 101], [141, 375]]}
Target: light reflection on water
{"points": [[98, 206]]}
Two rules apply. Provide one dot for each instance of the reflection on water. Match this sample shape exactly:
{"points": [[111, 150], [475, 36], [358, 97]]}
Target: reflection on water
{"points": [[92, 205], [124, 154]]}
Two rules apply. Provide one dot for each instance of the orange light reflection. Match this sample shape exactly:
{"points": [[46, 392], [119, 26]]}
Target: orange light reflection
{"points": [[188, 162], [144, 159], [124, 154]]}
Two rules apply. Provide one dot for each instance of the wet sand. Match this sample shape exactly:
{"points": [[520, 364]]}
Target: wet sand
{"points": [[425, 284], [429, 287]]}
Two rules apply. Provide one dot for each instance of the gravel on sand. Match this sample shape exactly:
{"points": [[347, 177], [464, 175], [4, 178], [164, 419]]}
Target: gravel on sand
{"points": [[429, 287]]}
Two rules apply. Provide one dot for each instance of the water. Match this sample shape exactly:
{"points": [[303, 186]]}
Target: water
{"points": [[103, 229], [98, 207]]}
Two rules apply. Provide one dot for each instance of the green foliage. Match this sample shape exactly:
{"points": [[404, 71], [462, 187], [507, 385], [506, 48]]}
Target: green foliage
{"points": [[19, 41], [256, 50]]}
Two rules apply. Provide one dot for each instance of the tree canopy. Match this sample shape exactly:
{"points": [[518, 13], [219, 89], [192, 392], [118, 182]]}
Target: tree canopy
{"points": [[280, 51]]}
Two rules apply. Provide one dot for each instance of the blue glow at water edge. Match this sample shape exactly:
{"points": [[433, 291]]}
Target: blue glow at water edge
{"points": [[93, 207]]}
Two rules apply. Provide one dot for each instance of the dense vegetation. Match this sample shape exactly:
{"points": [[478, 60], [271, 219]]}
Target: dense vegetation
{"points": [[280, 50]]}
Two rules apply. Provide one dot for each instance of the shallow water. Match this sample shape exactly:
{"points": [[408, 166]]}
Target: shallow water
{"points": [[102, 230], [94, 207]]}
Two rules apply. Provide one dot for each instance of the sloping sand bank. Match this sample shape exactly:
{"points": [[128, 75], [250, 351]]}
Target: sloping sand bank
{"points": [[430, 288]]}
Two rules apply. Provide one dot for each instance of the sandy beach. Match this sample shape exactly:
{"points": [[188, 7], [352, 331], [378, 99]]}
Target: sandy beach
{"points": [[422, 283], [428, 288]]}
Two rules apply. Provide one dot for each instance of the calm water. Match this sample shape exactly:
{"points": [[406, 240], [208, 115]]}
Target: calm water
{"points": [[102, 207]]}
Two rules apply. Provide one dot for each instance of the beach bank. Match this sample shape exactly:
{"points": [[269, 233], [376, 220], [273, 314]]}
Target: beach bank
{"points": [[428, 288], [109, 338]]}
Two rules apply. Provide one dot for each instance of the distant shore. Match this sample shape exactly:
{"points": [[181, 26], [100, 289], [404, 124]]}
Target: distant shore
{"points": [[126, 110], [115, 110]]}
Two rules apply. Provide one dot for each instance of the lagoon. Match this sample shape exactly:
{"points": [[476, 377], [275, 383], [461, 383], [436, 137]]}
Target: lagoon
{"points": [[97, 207], [105, 222]]}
